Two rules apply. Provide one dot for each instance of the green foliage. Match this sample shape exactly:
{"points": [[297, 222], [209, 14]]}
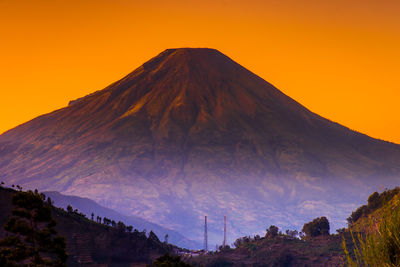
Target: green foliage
{"points": [[378, 249], [375, 201], [169, 261], [241, 240], [317, 227], [272, 232], [31, 240]]}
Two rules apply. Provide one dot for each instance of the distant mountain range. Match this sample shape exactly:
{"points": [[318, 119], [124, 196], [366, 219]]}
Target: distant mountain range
{"points": [[192, 133], [88, 207]]}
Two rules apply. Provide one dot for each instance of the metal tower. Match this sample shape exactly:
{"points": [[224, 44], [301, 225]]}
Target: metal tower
{"points": [[205, 234], [224, 243]]}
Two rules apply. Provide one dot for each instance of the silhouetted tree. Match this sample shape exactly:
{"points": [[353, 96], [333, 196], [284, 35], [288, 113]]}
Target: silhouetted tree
{"points": [[292, 233], [272, 232], [239, 241], [121, 227], [106, 221], [317, 227], [70, 209], [49, 201], [31, 239], [166, 239], [129, 228], [153, 237], [92, 216]]}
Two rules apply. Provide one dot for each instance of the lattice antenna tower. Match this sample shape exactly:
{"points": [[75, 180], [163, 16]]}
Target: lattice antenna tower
{"points": [[224, 243], [205, 234]]}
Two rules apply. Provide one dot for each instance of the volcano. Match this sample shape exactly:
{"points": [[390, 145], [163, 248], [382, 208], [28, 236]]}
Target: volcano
{"points": [[192, 133]]}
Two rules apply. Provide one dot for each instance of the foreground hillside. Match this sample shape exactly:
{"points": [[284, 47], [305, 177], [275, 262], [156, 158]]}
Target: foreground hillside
{"points": [[281, 251], [94, 244], [368, 218], [192, 133], [367, 226]]}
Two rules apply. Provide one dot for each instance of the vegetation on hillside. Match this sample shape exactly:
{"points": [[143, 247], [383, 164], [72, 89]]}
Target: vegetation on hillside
{"points": [[382, 246], [97, 241], [278, 248], [375, 201], [31, 238]]}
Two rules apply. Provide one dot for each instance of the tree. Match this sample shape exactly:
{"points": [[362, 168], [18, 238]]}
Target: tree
{"points": [[373, 200], [49, 201], [166, 239], [70, 209], [121, 227], [292, 233], [92, 216], [153, 237], [272, 232], [31, 239], [129, 228], [317, 227], [238, 242], [106, 221]]}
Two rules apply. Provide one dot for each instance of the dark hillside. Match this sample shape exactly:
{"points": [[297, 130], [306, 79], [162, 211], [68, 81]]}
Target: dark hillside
{"points": [[93, 244], [88, 206], [281, 251]]}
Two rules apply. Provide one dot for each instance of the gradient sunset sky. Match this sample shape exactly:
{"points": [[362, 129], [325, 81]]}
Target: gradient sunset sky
{"points": [[339, 58]]}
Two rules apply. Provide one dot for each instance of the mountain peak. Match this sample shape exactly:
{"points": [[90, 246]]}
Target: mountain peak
{"points": [[204, 50], [189, 58]]}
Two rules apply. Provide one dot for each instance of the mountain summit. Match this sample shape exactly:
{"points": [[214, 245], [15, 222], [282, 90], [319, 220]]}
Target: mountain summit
{"points": [[191, 132]]}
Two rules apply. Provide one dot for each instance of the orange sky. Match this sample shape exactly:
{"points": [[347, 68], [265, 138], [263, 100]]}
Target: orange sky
{"points": [[339, 58]]}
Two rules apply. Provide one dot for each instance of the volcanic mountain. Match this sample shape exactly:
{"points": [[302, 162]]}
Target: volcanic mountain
{"points": [[190, 133]]}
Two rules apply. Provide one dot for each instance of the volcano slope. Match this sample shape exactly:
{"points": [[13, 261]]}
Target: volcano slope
{"points": [[191, 132]]}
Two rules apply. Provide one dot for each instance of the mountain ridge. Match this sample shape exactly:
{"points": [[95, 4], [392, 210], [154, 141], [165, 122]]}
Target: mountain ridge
{"points": [[88, 206]]}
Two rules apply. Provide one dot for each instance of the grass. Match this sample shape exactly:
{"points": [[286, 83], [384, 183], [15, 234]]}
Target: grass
{"points": [[380, 248]]}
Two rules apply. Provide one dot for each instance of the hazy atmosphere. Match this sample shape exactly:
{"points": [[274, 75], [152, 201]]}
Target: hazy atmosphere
{"points": [[199, 133]]}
